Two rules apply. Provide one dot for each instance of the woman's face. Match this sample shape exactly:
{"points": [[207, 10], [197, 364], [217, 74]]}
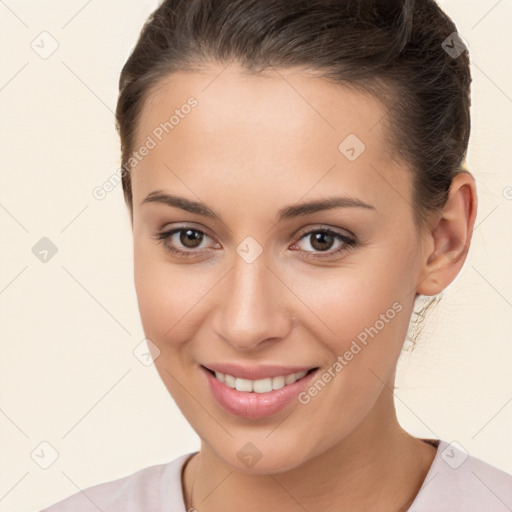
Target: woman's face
{"points": [[260, 283]]}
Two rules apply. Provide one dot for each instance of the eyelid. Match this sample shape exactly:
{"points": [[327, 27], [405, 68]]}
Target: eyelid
{"points": [[299, 233], [183, 227], [347, 243], [348, 239], [176, 229], [321, 227]]}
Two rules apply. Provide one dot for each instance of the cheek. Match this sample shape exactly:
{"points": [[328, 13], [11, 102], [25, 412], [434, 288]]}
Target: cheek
{"points": [[361, 315], [368, 317], [169, 296], [350, 300]]}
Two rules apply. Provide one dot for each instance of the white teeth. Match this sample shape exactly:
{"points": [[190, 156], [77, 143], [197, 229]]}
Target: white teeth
{"points": [[261, 385], [229, 380], [290, 379], [243, 384], [278, 382]]}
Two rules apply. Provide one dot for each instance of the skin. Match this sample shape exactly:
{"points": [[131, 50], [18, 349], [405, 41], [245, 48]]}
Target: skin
{"points": [[254, 144]]}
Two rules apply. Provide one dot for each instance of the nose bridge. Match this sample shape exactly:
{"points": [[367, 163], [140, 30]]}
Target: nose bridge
{"points": [[252, 309]]}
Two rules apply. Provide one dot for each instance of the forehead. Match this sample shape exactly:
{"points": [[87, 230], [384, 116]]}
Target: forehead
{"points": [[282, 130]]}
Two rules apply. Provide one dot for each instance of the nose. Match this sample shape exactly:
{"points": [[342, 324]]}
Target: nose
{"points": [[252, 306]]}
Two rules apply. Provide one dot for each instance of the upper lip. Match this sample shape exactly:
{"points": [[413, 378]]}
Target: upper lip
{"points": [[256, 372]]}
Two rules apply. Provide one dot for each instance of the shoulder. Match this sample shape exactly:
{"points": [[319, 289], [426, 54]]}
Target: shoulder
{"points": [[145, 489], [458, 481]]}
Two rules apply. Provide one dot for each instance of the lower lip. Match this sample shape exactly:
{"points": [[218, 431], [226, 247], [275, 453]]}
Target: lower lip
{"points": [[255, 405]]}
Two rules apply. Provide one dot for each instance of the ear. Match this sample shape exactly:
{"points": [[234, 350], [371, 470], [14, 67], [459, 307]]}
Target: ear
{"points": [[446, 241]]}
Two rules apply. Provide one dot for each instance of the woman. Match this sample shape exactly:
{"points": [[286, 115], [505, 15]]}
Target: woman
{"points": [[294, 173]]}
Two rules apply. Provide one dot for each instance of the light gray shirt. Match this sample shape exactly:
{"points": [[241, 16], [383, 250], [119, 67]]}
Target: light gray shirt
{"points": [[456, 482]]}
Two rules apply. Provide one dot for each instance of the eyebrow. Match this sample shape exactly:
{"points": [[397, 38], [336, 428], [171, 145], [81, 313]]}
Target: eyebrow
{"points": [[285, 213]]}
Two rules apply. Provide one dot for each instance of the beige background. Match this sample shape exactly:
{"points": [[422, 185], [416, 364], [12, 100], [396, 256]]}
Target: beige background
{"points": [[68, 375]]}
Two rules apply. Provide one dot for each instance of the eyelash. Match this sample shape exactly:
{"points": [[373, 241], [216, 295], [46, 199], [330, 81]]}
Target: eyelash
{"points": [[162, 237]]}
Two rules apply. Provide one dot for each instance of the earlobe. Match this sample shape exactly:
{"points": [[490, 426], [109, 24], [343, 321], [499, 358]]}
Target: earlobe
{"points": [[450, 237]]}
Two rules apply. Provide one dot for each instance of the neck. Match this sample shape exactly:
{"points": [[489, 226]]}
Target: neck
{"points": [[378, 466]]}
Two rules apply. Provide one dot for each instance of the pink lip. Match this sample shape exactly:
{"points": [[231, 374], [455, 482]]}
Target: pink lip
{"points": [[256, 372], [255, 405]]}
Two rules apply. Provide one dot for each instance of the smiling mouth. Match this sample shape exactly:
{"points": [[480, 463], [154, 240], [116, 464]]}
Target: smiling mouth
{"points": [[265, 385]]}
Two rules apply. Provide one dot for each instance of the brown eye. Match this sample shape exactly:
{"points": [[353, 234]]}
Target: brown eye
{"points": [[183, 242], [322, 241], [191, 238]]}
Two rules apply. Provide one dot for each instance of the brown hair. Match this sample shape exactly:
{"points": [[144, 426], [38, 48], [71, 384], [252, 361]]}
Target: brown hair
{"points": [[393, 49], [390, 48]]}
